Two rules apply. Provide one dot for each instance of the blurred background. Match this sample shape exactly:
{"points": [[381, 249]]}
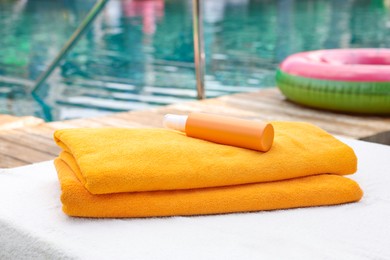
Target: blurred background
{"points": [[139, 53]]}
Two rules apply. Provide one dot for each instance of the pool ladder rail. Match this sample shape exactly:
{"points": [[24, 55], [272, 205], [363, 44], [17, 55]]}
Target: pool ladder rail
{"points": [[199, 54]]}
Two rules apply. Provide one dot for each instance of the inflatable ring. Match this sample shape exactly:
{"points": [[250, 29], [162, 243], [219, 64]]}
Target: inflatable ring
{"points": [[348, 80]]}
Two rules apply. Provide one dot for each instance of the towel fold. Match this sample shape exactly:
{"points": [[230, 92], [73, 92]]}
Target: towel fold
{"points": [[156, 172]]}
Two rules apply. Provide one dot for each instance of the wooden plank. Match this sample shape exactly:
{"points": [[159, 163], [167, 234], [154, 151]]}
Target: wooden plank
{"points": [[40, 131], [45, 145], [75, 123], [7, 161], [143, 118], [10, 122], [277, 100], [356, 126], [22, 153], [113, 121], [35, 143], [381, 138]]}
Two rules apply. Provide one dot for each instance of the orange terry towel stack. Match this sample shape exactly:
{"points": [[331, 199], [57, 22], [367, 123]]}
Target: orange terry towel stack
{"points": [[114, 172]]}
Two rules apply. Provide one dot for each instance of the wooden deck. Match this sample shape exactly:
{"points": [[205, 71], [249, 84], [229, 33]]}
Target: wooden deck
{"points": [[10, 122], [33, 142]]}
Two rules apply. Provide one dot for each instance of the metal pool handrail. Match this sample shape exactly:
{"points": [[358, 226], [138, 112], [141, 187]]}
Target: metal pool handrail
{"points": [[199, 54], [96, 9]]}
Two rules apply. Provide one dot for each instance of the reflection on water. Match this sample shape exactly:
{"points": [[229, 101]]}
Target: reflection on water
{"points": [[139, 53], [149, 11]]}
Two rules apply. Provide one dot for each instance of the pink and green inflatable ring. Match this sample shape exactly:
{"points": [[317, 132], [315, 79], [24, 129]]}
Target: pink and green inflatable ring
{"points": [[348, 80]]}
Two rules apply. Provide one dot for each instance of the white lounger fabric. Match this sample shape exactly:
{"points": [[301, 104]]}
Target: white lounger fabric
{"points": [[32, 224]]}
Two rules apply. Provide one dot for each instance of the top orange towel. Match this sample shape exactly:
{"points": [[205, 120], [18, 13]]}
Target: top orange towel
{"points": [[114, 160]]}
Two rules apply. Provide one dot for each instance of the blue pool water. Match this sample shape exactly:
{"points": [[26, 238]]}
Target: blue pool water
{"points": [[139, 54]]}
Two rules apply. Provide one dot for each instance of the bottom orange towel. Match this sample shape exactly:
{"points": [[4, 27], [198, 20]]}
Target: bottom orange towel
{"points": [[318, 190]]}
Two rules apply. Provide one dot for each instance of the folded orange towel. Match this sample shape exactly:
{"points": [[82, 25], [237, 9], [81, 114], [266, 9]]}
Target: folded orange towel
{"points": [[156, 172]]}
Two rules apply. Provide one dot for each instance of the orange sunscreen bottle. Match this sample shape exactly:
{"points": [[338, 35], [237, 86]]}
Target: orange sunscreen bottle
{"points": [[243, 133]]}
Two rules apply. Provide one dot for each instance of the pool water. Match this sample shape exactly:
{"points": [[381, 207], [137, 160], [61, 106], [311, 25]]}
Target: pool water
{"points": [[139, 54]]}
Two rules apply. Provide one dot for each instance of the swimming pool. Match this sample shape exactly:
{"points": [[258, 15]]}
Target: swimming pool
{"points": [[139, 54]]}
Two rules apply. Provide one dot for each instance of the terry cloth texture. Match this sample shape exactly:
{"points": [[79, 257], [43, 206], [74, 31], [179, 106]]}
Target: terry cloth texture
{"points": [[113, 172]]}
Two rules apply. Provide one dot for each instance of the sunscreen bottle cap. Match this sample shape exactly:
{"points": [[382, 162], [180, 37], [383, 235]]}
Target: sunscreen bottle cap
{"points": [[175, 122]]}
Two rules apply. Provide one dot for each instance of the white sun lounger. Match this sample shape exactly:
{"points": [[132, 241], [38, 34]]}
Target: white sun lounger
{"points": [[32, 224]]}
